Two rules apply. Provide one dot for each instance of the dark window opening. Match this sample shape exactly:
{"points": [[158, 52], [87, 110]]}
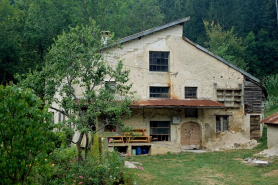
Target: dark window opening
{"points": [[160, 130], [110, 128], [190, 92], [222, 123], [159, 92], [159, 61], [191, 112]]}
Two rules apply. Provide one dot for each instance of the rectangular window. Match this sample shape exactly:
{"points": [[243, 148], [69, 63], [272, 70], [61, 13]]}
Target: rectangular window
{"points": [[61, 117], [222, 123], [159, 61], [191, 112], [190, 92], [160, 130], [159, 92]]}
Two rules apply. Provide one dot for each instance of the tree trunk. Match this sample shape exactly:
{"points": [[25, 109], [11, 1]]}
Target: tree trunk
{"points": [[79, 150], [87, 145]]}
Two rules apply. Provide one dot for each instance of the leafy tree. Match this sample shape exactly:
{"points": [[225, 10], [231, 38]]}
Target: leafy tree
{"points": [[74, 75], [271, 84], [145, 14], [11, 19], [225, 44], [26, 129], [251, 55]]}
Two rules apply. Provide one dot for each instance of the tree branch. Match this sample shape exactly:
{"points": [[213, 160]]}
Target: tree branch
{"points": [[63, 112]]}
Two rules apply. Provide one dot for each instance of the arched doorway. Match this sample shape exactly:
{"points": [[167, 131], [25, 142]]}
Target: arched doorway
{"points": [[190, 136]]}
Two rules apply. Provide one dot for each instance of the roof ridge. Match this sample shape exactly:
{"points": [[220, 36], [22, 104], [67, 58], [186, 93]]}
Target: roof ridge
{"points": [[152, 30]]}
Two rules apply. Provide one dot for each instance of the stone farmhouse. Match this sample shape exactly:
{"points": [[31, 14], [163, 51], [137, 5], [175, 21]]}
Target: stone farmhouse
{"points": [[187, 97]]}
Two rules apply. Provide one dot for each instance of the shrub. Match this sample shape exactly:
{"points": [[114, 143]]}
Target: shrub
{"points": [[25, 130], [107, 168]]}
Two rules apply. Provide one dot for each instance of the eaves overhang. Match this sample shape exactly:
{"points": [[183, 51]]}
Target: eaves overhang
{"points": [[272, 119], [177, 103]]}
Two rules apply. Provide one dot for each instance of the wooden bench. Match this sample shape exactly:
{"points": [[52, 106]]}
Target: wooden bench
{"points": [[138, 137]]}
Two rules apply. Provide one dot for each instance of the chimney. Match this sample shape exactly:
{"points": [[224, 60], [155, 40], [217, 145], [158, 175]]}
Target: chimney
{"points": [[104, 36]]}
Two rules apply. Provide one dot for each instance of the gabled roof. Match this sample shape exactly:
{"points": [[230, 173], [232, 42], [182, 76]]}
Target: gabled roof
{"points": [[147, 32], [182, 21], [272, 119]]}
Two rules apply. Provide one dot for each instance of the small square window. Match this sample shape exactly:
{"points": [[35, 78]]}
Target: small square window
{"points": [[190, 92], [159, 61], [191, 112], [159, 92], [222, 123]]}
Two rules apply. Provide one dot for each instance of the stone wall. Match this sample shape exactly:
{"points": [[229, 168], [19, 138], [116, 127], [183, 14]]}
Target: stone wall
{"points": [[272, 135]]}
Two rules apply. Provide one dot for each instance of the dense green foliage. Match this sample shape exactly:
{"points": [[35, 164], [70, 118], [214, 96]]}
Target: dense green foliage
{"points": [[26, 132], [271, 85], [107, 169], [27, 28]]}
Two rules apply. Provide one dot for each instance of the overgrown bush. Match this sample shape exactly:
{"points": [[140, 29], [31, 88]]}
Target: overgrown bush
{"points": [[107, 168], [271, 85], [25, 136]]}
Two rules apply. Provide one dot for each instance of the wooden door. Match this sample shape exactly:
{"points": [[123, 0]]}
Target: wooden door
{"points": [[190, 136], [255, 132]]}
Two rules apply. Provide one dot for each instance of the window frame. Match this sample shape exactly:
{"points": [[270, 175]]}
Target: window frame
{"points": [[161, 136], [220, 121], [189, 94], [61, 117], [160, 92], [158, 60]]}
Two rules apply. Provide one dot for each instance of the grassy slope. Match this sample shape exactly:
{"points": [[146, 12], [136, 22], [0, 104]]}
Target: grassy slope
{"points": [[207, 168]]}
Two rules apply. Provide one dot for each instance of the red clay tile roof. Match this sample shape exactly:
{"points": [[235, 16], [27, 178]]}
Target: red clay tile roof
{"points": [[178, 103], [272, 119]]}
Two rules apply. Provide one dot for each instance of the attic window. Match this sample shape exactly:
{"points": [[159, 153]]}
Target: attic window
{"points": [[159, 61], [159, 92]]}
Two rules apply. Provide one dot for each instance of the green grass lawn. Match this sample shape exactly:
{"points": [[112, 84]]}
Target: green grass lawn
{"points": [[225, 167]]}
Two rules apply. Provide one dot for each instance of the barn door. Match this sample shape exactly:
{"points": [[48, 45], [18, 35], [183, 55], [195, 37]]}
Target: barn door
{"points": [[190, 136]]}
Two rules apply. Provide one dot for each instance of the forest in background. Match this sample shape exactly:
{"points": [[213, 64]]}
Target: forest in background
{"points": [[243, 32]]}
